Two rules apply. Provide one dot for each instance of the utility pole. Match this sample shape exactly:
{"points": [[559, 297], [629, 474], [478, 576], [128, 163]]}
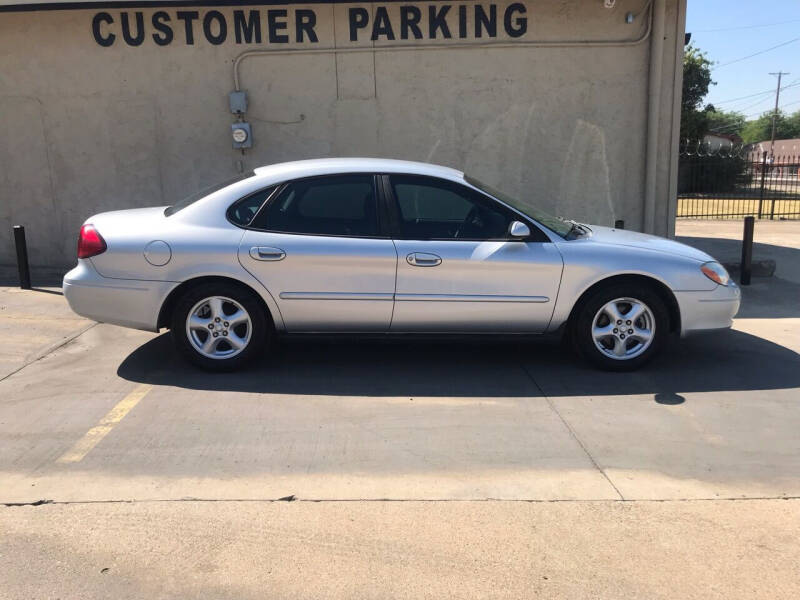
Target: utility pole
{"points": [[775, 114]]}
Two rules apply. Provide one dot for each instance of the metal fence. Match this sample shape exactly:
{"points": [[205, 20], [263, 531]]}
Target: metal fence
{"points": [[734, 182]]}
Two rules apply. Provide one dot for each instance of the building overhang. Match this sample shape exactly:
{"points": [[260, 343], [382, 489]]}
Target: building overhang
{"points": [[34, 5]]}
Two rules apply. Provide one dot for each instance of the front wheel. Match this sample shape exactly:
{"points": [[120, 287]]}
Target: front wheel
{"points": [[219, 326], [621, 327]]}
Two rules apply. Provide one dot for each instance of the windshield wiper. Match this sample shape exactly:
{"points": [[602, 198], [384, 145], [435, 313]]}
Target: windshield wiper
{"points": [[576, 228]]}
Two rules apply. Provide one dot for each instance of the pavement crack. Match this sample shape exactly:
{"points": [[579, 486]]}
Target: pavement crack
{"points": [[571, 431], [50, 349], [406, 500], [35, 503]]}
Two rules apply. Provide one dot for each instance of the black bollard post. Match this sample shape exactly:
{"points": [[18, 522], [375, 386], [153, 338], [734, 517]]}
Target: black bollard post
{"points": [[747, 250], [22, 257]]}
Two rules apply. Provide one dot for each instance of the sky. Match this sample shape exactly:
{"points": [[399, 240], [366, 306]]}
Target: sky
{"points": [[729, 30]]}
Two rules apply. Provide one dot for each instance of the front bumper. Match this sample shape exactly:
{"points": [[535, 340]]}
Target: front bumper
{"points": [[703, 311], [126, 302]]}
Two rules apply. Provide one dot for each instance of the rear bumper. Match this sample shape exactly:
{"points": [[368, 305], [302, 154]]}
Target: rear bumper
{"points": [[126, 302], [704, 311]]}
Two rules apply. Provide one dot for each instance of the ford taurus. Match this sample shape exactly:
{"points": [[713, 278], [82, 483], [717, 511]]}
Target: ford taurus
{"points": [[386, 247]]}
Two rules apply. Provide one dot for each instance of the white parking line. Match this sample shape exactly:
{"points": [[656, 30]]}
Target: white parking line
{"points": [[93, 437]]}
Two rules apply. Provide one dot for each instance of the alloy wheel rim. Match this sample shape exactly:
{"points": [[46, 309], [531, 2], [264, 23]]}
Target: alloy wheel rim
{"points": [[623, 328], [219, 327]]}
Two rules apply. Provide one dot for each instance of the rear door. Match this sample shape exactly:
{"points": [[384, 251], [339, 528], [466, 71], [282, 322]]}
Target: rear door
{"points": [[319, 247], [458, 269]]}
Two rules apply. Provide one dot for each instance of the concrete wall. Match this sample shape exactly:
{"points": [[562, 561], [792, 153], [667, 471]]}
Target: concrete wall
{"points": [[87, 128]]}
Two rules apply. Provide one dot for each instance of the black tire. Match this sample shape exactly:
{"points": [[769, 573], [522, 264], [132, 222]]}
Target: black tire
{"points": [[260, 326], [584, 320]]}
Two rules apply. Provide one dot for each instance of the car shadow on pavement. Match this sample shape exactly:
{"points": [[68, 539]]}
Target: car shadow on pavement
{"points": [[724, 361]]}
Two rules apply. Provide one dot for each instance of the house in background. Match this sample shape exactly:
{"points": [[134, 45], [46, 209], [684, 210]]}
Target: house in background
{"points": [[784, 160], [789, 149]]}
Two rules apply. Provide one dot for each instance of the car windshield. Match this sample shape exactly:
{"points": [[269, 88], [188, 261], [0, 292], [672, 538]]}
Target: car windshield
{"points": [[181, 204], [560, 226]]}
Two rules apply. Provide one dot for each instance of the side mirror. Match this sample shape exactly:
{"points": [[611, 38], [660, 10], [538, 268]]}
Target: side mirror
{"points": [[518, 229]]}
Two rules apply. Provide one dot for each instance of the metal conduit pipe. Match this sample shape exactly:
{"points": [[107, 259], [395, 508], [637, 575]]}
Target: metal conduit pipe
{"points": [[647, 8]]}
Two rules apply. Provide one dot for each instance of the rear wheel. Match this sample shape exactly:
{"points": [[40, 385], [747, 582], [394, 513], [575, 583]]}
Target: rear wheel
{"points": [[621, 327], [219, 326]]}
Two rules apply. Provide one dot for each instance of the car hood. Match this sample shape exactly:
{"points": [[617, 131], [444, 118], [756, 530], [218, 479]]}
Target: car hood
{"points": [[633, 239]]}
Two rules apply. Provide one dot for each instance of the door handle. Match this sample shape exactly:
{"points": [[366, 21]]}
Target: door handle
{"points": [[267, 253], [423, 259]]}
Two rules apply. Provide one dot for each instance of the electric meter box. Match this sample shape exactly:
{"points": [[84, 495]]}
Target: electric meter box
{"points": [[241, 134]]}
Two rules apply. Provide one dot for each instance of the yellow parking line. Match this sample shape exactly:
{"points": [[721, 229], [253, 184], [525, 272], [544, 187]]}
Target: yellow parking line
{"points": [[93, 437]]}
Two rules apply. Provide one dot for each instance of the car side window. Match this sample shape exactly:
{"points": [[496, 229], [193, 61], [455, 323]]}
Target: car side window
{"points": [[339, 205], [243, 210], [431, 208]]}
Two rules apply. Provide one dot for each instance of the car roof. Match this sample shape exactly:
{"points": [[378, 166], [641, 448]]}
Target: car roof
{"points": [[206, 211], [328, 166]]}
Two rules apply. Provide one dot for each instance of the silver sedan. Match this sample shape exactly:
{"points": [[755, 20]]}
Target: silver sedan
{"points": [[386, 247]]}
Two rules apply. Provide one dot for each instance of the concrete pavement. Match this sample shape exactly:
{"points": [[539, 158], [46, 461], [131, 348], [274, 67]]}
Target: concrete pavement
{"points": [[715, 417], [242, 550], [34, 322]]}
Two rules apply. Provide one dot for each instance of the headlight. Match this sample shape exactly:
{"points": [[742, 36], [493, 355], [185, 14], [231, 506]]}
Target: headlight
{"points": [[715, 272]]}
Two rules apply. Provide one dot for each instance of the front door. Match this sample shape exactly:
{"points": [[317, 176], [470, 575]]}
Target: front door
{"points": [[317, 247], [458, 270]]}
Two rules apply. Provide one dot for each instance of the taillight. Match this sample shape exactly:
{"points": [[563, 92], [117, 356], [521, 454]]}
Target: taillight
{"points": [[90, 242]]}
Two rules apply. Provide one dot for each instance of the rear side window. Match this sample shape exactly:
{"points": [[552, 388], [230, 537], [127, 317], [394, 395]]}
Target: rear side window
{"points": [[189, 200], [242, 211], [340, 205]]}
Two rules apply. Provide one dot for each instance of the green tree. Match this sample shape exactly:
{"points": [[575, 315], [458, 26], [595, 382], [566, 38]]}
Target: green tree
{"points": [[727, 122], [760, 129], [696, 81], [793, 125]]}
